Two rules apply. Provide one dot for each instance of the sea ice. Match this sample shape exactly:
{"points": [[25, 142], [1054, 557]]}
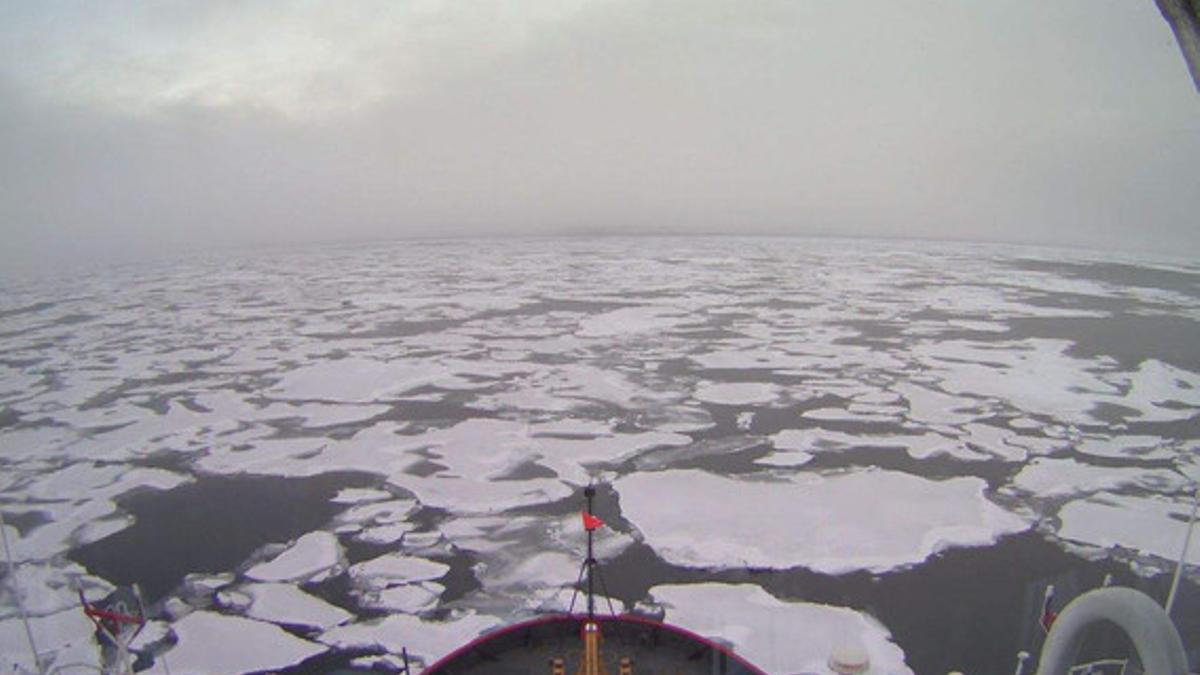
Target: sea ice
{"points": [[1048, 477], [750, 359], [324, 414], [631, 320], [830, 524], [407, 598], [388, 512], [357, 495], [47, 587], [854, 414], [355, 380], [377, 448], [429, 640], [214, 643], [1161, 392], [786, 458], [67, 522], [383, 534], [1125, 447], [312, 556], [285, 603], [66, 637], [815, 441], [549, 569], [1150, 525], [472, 495], [568, 456], [392, 569], [928, 406], [777, 636], [737, 393], [1036, 376]]}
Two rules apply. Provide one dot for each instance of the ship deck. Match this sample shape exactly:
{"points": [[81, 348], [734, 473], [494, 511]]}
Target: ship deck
{"points": [[652, 647]]}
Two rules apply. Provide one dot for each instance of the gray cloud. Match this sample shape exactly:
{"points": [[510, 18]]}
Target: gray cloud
{"points": [[169, 128]]}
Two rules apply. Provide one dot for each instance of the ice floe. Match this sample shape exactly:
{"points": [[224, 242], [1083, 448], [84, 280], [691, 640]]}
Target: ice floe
{"points": [[1049, 477], [631, 320], [1152, 525], [355, 380], [816, 441], [378, 449], [214, 643], [737, 393], [383, 534], [1160, 392], [1126, 447], [62, 638], [393, 569], [287, 604], [358, 495], [831, 524], [407, 598], [777, 636], [426, 639], [310, 558]]}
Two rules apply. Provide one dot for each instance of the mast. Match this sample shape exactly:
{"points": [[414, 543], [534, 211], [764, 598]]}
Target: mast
{"points": [[1187, 540], [590, 492]]}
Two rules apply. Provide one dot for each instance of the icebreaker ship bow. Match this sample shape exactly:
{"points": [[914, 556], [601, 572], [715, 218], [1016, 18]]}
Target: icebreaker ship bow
{"points": [[590, 643]]}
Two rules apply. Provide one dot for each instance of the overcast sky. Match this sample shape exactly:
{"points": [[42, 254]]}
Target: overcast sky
{"points": [[144, 129]]}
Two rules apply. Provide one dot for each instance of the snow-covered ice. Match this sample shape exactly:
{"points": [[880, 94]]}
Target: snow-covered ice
{"points": [[356, 380], [481, 387], [1150, 525], [358, 495], [831, 524], [310, 557], [285, 603], [1129, 447], [631, 320], [737, 393], [429, 640], [407, 598], [1049, 477], [214, 643], [64, 636], [777, 636], [393, 569]]}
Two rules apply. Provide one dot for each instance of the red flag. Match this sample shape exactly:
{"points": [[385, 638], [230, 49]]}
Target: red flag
{"points": [[591, 522]]}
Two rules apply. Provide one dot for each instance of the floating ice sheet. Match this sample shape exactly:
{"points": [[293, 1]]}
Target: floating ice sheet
{"points": [[64, 636], [358, 495], [833, 525], [1125, 447], [737, 393], [378, 449], [356, 380], [393, 569], [214, 643], [311, 556], [467, 496], [777, 636], [631, 320], [1047, 477], [1160, 392], [407, 598], [923, 446], [1149, 525], [285, 603], [429, 640]]}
